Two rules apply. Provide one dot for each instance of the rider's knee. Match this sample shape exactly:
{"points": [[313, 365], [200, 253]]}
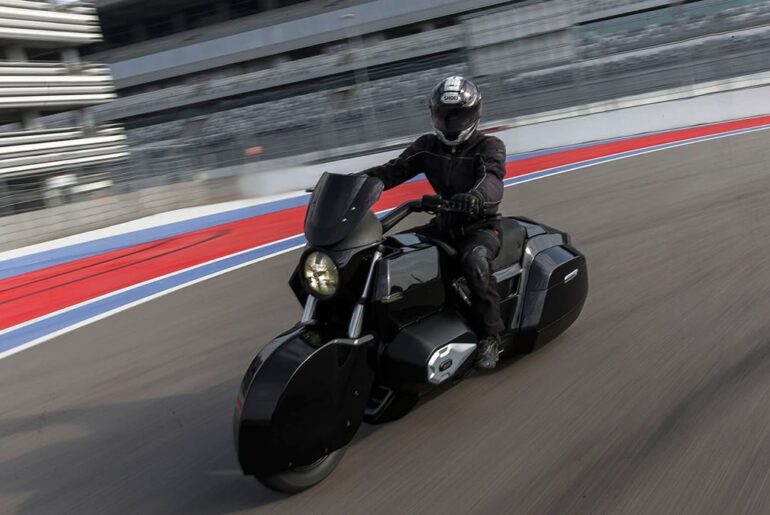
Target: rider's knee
{"points": [[475, 264]]}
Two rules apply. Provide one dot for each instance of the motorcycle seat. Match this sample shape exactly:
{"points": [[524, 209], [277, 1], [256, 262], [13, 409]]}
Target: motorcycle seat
{"points": [[512, 248]]}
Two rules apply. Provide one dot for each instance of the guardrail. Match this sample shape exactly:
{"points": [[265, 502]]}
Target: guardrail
{"points": [[37, 152], [41, 85], [42, 21]]}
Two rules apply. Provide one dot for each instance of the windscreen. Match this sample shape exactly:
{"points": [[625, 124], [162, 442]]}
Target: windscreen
{"points": [[338, 204]]}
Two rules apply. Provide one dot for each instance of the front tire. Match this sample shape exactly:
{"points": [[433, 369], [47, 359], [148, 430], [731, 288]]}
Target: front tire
{"points": [[300, 478]]}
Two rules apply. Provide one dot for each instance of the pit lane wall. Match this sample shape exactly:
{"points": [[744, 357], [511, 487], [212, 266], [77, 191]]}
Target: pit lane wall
{"points": [[715, 102]]}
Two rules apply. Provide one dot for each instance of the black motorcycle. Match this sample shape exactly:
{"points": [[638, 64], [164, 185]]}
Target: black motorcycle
{"points": [[385, 321]]}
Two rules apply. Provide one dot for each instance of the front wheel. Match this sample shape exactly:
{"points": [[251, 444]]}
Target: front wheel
{"points": [[300, 478]]}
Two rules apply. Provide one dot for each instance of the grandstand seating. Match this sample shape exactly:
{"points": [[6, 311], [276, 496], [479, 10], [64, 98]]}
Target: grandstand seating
{"points": [[673, 24], [651, 58], [312, 68], [269, 124], [277, 124]]}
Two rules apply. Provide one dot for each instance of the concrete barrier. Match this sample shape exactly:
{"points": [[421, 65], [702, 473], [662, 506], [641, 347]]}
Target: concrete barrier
{"points": [[66, 220]]}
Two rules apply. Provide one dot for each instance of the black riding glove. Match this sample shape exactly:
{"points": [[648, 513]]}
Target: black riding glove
{"points": [[464, 208], [466, 204]]}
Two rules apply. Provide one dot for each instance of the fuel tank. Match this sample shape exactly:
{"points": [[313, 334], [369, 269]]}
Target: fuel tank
{"points": [[408, 285]]}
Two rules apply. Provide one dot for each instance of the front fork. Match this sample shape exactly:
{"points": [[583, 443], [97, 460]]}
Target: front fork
{"points": [[357, 319], [309, 312]]}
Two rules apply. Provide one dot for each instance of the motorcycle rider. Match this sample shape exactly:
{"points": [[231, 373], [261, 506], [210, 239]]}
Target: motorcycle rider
{"points": [[467, 168]]}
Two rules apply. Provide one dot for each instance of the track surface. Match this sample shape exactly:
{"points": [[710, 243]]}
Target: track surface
{"points": [[656, 401]]}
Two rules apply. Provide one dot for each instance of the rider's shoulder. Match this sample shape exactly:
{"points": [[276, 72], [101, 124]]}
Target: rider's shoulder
{"points": [[492, 142]]}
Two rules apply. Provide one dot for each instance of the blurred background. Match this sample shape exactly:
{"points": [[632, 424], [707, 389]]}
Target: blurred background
{"points": [[115, 109]]}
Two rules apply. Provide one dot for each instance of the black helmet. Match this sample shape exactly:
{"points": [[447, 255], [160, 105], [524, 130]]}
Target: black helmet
{"points": [[455, 108]]}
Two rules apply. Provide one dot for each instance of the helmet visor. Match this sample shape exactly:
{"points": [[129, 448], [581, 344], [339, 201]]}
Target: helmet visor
{"points": [[453, 120]]}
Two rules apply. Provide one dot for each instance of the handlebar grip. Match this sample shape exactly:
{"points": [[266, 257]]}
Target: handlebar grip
{"points": [[437, 204], [432, 202]]}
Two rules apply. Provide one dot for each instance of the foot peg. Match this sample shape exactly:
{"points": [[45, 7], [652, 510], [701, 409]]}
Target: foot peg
{"points": [[379, 401]]}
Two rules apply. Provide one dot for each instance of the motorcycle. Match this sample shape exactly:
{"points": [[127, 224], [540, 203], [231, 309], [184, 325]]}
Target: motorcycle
{"points": [[385, 321]]}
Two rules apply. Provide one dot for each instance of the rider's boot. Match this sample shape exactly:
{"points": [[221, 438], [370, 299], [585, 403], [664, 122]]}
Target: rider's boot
{"points": [[488, 353]]}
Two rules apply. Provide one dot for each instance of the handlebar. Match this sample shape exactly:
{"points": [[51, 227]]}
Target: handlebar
{"points": [[433, 204]]}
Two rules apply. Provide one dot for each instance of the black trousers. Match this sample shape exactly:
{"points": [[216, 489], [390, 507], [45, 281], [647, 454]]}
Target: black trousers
{"points": [[476, 250]]}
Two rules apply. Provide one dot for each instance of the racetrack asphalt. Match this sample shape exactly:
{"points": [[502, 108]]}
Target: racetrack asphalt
{"points": [[655, 401]]}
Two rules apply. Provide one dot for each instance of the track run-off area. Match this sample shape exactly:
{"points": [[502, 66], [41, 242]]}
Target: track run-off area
{"points": [[655, 401]]}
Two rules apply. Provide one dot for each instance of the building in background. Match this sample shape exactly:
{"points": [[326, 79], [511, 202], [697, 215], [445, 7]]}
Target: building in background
{"points": [[294, 72], [202, 83], [41, 74], [202, 80]]}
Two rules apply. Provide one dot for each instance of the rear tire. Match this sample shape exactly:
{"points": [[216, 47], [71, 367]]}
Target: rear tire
{"points": [[300, 478]]}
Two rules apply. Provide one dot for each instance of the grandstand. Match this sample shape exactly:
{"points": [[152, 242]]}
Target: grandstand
{"points": [[201, 81], [40, 74]]}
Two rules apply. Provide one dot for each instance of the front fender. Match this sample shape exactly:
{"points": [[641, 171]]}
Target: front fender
{"points": [[299, 400]]}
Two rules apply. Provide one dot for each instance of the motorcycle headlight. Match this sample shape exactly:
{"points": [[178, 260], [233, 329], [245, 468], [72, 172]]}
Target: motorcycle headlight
{"points": [[321, 274]]}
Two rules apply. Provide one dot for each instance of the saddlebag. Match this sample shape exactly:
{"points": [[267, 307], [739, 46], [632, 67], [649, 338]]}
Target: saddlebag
{"points": [[557, 287]]}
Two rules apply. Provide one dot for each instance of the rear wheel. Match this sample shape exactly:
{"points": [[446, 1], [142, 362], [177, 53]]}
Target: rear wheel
{"points": [[300, 478]]}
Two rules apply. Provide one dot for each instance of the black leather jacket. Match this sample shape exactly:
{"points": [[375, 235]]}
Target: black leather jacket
{"points": [[476, 167]]}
